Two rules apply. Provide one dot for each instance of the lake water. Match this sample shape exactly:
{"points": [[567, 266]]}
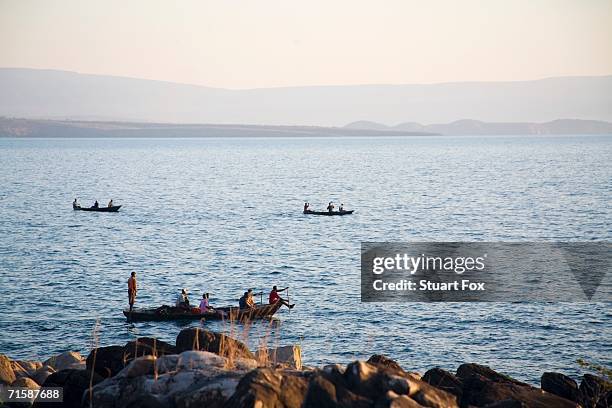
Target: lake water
{"points": [[223, 215]]}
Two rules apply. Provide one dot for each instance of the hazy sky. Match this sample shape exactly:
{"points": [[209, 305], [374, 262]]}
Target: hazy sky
{"points": [[262, 43]]}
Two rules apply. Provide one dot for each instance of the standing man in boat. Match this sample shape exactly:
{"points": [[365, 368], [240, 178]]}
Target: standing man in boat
{"points": [[275, 297], [330, 206], [110, 203], [132, 289], [306, 205]]}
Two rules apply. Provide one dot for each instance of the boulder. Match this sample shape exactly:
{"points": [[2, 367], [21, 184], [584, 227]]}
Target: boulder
{"points": [[267, 387], [430, 396], [42, 373], [323, 392], [7, 375], [595, 392], [66, 360], [74, 383], [392, 400], [25, 382], [480, 391], [106, 361], [147, 346], [287, 356], [194, 379], [18, 370], [469, 370], [30, 366], [561, 385], [195, 338], [384, 362], [444, 380]]}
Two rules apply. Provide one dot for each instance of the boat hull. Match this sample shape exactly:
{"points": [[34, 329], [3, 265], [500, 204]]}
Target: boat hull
{"points": [[310, 212], [223, 313], [114, 208]]}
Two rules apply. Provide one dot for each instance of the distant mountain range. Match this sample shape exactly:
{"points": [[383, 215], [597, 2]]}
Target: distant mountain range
{"points": [[476, 127], [50, 94], [15, 127]]}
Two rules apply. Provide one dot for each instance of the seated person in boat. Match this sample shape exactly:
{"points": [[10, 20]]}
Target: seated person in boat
{"points": [[246, 301], [306, 207], [275, 297], [75, 204], [205, 304], [242, 301], [182, 301], [110, 203], [341, 208], [96, 205], [330, 207]]}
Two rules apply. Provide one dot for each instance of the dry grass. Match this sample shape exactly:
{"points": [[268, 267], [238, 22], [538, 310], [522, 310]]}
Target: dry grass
{"points": [[95, 342]]}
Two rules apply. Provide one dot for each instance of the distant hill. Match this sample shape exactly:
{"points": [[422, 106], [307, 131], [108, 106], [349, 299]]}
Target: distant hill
{"points": [[476, 127], [14, 127], [50, 94]]}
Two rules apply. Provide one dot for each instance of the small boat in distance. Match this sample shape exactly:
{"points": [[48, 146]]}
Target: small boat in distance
{"points": [[114, 208], [169, 313], [96, 207], [343, 212]]}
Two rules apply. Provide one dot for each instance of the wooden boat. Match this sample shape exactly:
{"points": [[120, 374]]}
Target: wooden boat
{"points": [[169, 313], [328, 212], [114, 208]]}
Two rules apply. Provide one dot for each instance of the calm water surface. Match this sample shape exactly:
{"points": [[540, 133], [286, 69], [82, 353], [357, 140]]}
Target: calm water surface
{"points": [[222, 215]]}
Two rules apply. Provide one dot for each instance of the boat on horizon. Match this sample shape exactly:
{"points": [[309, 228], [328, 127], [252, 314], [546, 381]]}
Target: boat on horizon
{"points": [[343, 212], [113, 208]]}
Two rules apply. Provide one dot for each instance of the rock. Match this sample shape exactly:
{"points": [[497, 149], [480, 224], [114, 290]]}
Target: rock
{"points": [[595, 391], [444, 380], [18, 370], [480, 391], [324, 392], [399, 401], [30, 366], [509, 403], [167, 363], [560, 385], [7, 375], [288, 356], [140, 366], [385, 362], [66, 360], [365, 379], [25, 382], [468, 370], [430, 396], [183, 387], [42, 373], [195, 338], [147, 346], [108, 360], [267, 387], [74, 382]]}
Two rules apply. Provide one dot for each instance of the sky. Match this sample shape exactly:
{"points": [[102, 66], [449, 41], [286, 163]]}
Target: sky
{"points": [[270, 43]]}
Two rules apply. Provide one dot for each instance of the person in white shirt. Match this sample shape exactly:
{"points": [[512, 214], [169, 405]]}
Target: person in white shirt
{"points": [[182, 300]]}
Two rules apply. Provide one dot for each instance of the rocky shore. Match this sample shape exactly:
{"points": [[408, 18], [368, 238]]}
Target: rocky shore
{"points": [[209, 369]]}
